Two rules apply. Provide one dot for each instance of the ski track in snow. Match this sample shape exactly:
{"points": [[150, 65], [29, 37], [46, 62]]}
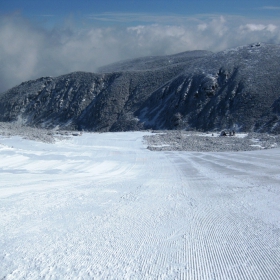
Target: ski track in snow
{"points": [[102, 206]]}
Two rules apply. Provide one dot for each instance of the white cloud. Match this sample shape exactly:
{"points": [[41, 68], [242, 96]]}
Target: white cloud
{"points": [[253, 27], [270, 8], [271, 27], [258, 27], [28, 52], [138, 17]]}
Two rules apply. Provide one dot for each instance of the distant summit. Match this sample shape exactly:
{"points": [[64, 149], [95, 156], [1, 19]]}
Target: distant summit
{"points": [[152, 62], [233, 89]]}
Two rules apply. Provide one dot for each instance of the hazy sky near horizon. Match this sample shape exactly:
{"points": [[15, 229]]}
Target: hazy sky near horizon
{"points": [[50, 38]]}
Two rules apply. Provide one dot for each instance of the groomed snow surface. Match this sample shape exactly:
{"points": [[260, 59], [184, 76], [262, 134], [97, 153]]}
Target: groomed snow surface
{"points": [[102, 206]]}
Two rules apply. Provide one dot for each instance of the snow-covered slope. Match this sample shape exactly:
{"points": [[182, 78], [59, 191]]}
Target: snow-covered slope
{"points": [[153, 62], [235, 89], [102, 206]]}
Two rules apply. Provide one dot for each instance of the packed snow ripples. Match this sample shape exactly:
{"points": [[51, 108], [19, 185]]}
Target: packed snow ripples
{"points": [[102, 206]]}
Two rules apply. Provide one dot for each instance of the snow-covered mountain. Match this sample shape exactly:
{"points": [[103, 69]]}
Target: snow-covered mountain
{"points": [[236, 88]]}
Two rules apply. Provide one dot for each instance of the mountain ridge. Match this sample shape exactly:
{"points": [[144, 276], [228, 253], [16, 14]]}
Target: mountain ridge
{"points": [[233, 89]]}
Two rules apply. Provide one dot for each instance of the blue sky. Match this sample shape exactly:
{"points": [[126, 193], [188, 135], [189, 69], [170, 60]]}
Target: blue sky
{"points": [[56, 10], [55, 37]]}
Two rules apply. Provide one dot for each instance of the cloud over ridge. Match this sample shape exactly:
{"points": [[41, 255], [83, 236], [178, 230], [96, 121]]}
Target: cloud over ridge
{"points": [[28, 51]]}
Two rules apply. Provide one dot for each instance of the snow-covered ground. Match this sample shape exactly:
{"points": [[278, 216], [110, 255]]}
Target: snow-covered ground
{"points": [[102, 206]]}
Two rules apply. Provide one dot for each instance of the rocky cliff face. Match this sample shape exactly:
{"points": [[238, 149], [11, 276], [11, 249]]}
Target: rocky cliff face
{"points": [[237, 88]]}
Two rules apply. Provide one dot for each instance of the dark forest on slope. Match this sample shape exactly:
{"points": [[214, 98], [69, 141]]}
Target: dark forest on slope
{"points": [[233, 89]]}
